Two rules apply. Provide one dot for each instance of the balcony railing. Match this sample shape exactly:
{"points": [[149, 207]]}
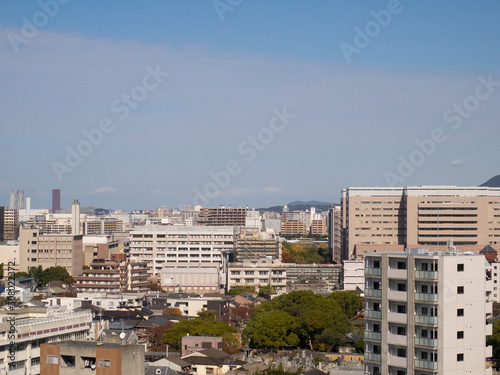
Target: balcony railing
{"points": [[424, 319], [370, 271], [422, 363], [429, 275], [373, 357], [373, 336], [423, 341], [374, 314], [377, 293], [426, 297]]}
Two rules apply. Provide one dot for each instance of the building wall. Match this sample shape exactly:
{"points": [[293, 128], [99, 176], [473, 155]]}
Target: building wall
{"points": [[257, 273], [354, 275], [222, 216], [192, 344], [191, 277], [390, 219], [423, 310], [159, 245], [11, 224], [50, 250]]}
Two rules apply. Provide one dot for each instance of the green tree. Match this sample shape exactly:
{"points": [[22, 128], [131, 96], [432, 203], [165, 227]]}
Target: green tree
{"points": [[235, 290], [271, 329], [1, 270], [349, 300], [266, 291], [210, 315], [494, 341], [20, 274], [37, 274], [55, 273], [312, 314]]}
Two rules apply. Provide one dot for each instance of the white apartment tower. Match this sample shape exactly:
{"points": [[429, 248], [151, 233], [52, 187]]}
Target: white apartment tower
{"points": [[425, 313]]}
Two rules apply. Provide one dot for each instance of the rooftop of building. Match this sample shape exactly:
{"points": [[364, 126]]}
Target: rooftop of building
{"points": [[181, 229], [90, 344], [424, 252]]}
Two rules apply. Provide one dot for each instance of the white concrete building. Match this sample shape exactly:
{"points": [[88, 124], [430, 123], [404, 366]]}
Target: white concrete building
{"points": [[425, 313], [180, 244], [191, 277], [33, 330], [354, 275], [258, 273]]}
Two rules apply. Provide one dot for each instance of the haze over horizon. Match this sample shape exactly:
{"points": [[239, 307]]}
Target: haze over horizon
{"points": [[127, 106]]}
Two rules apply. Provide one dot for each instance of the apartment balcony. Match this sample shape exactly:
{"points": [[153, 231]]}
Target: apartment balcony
{"points": [[426, 342], [373, 357], [425, 319], [426, 297], [370, 271], [395, 361], [400, 340], [426, 365], [377, 336], [373, 314], [395, 295], [426, 275], [373, 293], [394, 273], [397, 317]]}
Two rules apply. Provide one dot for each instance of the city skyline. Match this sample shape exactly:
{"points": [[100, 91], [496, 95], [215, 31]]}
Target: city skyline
{"points": [[260, 103]]}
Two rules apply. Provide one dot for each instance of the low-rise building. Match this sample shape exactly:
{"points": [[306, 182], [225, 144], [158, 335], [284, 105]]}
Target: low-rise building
{"points": [[33, 328], [192, 277], [354, 275], [258, 273], [84, 357], [115, 275]]}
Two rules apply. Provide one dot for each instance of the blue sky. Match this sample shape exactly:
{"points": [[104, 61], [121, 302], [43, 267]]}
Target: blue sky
{"points": [[416, 103]]}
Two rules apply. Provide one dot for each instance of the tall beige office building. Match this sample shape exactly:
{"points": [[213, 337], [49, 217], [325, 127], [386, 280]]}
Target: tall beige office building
{"points": [[392, 219]]}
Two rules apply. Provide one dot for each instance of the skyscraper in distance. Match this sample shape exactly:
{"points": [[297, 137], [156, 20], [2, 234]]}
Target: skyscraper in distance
{"points": [[17, 199], [56, 200]]}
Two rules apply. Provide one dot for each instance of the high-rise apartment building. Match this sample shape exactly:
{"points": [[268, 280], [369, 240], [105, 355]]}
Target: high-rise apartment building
{"points": [[10, 224], [392, 219], [17, 199], [56, 200], [222, 216], [2, 213], [426, 313]]}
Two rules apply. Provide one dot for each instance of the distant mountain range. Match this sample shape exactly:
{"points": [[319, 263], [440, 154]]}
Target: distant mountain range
{"points": [[301, 206], [492, 182]]}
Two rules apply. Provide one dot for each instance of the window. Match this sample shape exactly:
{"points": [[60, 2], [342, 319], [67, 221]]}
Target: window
{"points": [[401, 372], [210, 371], [104, 363], [68, 360], [460, 267], [460, 335], [460, 357], [401, 265], [52, 359], [460, 290], [376, 264], [401, 309], [460, 312], [401, 287], [402, 331], [401, 352]]}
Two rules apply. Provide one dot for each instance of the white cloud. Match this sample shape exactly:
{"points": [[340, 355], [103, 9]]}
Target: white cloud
{"points": [[273, 189], [457, 162], [106, 189]]}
